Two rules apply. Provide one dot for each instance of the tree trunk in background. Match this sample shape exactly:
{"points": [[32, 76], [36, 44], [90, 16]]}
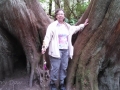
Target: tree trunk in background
{"points": [[50, 7], [67, 8], [57, 4], [25, 21], [96, 61]]}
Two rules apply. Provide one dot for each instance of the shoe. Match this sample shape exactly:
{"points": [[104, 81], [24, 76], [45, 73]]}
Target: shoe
{"points": [[53, 87], [62, 87]]}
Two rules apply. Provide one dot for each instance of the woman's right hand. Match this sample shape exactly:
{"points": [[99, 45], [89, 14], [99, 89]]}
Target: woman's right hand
{"points": [[43, 50], [43, 47]]}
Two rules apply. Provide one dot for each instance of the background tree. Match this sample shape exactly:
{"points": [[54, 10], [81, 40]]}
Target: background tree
{"points": [[57, 4], [66, 9], [50, 7]]}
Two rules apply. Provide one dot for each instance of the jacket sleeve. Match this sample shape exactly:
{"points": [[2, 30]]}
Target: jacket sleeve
{"points": [[75, 29], [47, 37]]}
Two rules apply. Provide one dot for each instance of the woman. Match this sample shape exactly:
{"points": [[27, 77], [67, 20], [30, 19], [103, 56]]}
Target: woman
{"points": [[58, 38]]}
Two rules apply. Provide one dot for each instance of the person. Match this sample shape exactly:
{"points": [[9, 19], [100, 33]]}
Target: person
{"points": [[58, 39]]}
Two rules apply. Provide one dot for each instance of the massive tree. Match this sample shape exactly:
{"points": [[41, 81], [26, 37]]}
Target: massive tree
{"points": [[95, 65], [24, 21], [96, 62]]}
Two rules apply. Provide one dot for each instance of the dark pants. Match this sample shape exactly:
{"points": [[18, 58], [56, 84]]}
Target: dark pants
{"points": [[59, 66]]}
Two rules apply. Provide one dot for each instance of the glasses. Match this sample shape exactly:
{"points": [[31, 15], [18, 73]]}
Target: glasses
{"points": [[60, 14]]}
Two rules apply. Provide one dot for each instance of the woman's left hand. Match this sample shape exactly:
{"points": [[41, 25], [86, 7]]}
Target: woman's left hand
{"points": [[86, 22]]}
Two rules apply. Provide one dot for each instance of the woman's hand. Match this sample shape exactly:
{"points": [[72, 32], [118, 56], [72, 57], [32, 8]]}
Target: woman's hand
{"points": [[43, 50], [43, 47], [86, 22]]}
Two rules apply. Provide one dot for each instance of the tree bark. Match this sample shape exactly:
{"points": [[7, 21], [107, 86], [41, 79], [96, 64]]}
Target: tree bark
{"points": [[95, 65], [27, 22], [5, 63]]}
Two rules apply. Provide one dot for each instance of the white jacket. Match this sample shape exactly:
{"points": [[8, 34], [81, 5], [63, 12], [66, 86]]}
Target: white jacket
{"points": [[51, 39]]}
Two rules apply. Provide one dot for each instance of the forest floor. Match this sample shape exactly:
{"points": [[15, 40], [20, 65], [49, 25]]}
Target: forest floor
{"points": [[19, 81]]}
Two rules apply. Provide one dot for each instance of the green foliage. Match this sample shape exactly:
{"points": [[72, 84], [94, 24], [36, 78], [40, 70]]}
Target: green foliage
{"points": [[76, 9], [45, 5], [80, 8], [42, 1], [71, 21]]}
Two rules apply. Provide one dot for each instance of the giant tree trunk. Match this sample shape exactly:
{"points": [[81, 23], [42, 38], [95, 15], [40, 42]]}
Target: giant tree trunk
{"points": [[96, 62], [95, 65], [6, 53], [26, 21]]}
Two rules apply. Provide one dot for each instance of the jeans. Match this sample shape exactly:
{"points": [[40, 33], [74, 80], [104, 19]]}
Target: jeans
{"points": [[59, 66]]}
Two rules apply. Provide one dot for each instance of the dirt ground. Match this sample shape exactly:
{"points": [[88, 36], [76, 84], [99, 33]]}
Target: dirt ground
{"points": [[19, 81]]}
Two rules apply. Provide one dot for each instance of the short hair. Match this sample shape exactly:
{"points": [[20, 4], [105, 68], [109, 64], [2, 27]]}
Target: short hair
{"points": [[57, 12]]}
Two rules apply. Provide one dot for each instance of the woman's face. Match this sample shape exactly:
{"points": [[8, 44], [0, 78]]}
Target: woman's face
{"points": [[60, 16]]}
